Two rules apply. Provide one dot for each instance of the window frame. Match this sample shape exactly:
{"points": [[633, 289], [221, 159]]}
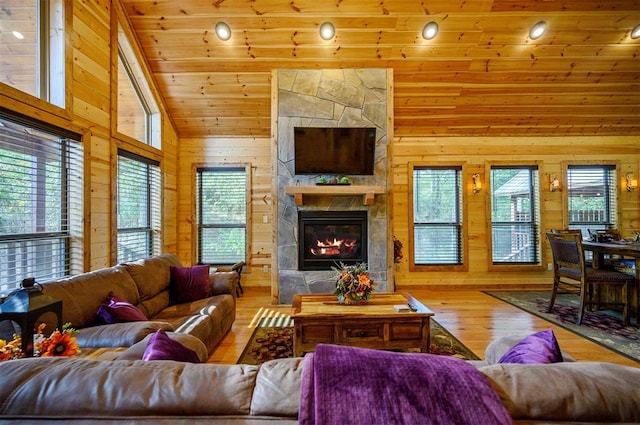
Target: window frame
{"points": [[539, 265], [70, 216], [464, 246], [61, 53], [615, 191], [129, 53], [197, 168], [153, 227]]}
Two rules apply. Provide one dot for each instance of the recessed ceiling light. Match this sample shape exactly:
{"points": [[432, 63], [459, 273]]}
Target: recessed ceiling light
{"points": [[537, 30], [430, 30], [327, 31], [18, 35], [223, 31], [636, 32]]}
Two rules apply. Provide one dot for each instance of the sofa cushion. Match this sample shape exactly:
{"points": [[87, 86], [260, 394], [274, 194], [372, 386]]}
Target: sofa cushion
{"points": [[117, 310], [277, 390], [136, 351], [152, 275], [576, 391], [190, 283], [82, 294], [119, 334], [125, 388], [540, 347], [161, 347]]}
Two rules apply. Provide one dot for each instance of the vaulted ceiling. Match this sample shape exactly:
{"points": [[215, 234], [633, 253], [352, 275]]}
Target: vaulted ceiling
{"points": [[480, 76]]}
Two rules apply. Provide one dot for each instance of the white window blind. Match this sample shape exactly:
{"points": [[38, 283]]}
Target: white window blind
{"points": [[221, 205], [139, 207], [515, 217], [592, 197], [40, 201], [437, 216]]}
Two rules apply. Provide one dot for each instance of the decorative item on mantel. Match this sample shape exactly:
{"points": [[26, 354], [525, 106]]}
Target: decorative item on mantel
{"points": [[333, 180], [353, 284]]}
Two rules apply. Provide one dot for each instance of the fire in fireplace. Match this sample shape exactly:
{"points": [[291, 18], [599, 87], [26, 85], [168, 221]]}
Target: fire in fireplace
{"points": [[329, 237]]}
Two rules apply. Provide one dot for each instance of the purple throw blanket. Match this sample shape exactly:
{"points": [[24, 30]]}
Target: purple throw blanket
{"points": [[348, 385]]}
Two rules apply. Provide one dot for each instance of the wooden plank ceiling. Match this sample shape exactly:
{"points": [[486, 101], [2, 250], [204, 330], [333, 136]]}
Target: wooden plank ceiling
{"points": [[481, 75]]}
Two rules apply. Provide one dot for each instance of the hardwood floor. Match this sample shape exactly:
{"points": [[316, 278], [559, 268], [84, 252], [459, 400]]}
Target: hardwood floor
{"points": [[472, 316]]}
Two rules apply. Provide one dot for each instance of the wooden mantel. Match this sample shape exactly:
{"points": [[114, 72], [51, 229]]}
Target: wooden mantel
{"points": [[368, 192]]}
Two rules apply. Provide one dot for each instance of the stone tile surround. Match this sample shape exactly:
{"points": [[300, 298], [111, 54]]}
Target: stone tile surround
{"points": [[329, 98]]}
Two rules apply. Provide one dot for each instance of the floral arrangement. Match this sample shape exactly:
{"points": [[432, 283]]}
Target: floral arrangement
{"points": [[397, 250], [12, 349], [59, 343], [353, 284]]}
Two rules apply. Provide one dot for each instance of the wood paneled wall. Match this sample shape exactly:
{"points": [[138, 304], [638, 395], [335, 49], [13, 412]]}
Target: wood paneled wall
{"points": [[552, 154], [216, 151], [89, 112]]}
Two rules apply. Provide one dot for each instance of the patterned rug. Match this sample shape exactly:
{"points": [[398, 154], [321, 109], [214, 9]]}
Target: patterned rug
{"points": [[601, 326], [276, 342]]}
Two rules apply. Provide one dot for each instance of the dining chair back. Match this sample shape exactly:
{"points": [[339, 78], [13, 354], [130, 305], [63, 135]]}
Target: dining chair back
{"points": [[571, 274]]}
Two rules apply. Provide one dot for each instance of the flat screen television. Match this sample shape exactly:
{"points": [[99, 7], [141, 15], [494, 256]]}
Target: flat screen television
{"points": [[333, 150]]}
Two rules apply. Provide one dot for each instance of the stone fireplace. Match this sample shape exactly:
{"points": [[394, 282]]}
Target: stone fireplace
{"points": [[328, 98], [326, 238]]}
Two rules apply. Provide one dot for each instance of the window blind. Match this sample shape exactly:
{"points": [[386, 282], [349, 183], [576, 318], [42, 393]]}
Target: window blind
{"points": [[437, 216], [592, 194], [515, 217], [139, 207], [221, 215], [40, 201]]}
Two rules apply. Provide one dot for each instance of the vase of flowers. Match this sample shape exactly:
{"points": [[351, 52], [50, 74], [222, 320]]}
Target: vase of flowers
{"points": [[59, 343], [353, 284]]}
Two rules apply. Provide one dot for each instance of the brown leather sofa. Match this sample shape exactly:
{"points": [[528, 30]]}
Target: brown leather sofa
{"points": [[73, 390], [199, 324]]}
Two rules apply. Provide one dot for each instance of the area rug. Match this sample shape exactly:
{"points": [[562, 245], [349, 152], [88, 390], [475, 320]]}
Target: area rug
{"points": [[600, 326], [276, 342]]}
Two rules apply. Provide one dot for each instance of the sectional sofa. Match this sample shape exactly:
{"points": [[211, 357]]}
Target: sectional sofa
{"points": [[73, 390], [199, 320]]}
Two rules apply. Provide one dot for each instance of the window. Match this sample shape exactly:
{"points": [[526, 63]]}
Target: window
{"points": [[515, 215], [33, 49], [221, 214], [138, 112], [437, 216], [40, 202], [591, 197], [139, 189]]}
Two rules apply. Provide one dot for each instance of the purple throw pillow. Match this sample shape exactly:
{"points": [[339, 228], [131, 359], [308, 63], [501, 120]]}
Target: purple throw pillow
{"points": [[540, 347], [190, 283], [161, 347], [116, 310]]}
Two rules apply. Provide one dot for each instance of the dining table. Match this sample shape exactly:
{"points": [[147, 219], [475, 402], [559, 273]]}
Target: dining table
{"points": [[622, 248]]}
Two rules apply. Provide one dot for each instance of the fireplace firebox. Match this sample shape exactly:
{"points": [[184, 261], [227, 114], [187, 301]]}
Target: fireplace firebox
{"points": [[330, 237]]}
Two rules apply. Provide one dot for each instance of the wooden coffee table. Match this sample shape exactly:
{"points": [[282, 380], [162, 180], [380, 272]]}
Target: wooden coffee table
{"points": [[319, 318]]}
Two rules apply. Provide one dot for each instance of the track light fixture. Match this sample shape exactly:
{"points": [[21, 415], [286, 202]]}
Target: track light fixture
{"points": [[430, 30], [538, 30], [223, 31], [327, 31]]}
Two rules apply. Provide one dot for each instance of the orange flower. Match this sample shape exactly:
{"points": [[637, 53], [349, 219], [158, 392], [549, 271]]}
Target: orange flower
{"points": [[60, 344]]}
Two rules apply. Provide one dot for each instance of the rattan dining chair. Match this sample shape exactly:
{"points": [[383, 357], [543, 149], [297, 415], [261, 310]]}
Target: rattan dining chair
{"points": [[572, 274]]}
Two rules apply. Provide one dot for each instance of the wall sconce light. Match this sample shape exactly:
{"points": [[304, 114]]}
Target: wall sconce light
{"points": [[554, 184], [430, 30], [538, 30], [327, 31], [477, 183], [632, 182], [223, 31]]}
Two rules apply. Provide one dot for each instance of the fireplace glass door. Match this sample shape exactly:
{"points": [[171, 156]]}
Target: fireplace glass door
{"points": [[328, 238]]}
